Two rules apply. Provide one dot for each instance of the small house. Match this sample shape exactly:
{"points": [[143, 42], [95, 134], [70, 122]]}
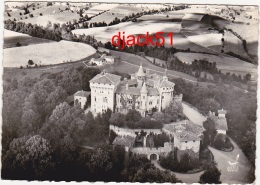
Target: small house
{"points": [[81, 98]]}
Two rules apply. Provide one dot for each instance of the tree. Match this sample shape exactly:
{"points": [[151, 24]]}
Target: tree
{"points": [[211, 175], [117, 119], [32, 156], [174, 110], [30, 62], [133, 116]]}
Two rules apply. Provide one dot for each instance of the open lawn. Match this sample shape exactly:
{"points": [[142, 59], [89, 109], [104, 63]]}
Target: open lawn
{"points": [[11, 39], [47, 53]]}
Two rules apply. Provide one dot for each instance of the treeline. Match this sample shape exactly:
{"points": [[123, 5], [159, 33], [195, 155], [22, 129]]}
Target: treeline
{"points": [[241, 111], [33, 30], [54, 32], [195, 69]]}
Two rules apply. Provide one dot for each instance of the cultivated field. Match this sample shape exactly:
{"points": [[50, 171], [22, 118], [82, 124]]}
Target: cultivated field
{"points": [[47, 53], [11, 39]]}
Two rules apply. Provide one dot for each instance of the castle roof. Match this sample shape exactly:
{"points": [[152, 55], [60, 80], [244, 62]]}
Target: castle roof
{"points": [[144, 89], [140, 71], [106, 78], [222, 111], [221, 124], [82, 93], [166, 83], [185, 130], [121, 89]]}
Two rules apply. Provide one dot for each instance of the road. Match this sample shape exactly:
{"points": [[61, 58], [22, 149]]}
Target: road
{"points": [[193, 115], [223, 159], [185, 178]]}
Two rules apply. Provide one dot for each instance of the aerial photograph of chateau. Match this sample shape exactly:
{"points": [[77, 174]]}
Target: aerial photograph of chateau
{"points": [[129, 92]]}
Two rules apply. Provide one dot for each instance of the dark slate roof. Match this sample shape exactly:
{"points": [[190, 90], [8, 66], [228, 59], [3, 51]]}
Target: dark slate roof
{"points": [[106, 78], [185, 130], [221, 124], [124, 141], [121, 89], [166, 83], [82, 93]]}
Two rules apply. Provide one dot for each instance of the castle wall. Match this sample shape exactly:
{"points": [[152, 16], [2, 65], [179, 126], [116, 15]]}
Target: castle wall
{"points": [[131, 132]]}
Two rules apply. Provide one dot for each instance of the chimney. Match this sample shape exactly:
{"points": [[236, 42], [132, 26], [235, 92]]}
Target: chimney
{"points": [[126, 86]]}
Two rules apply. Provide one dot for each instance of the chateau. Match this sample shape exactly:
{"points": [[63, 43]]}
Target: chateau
{"points": [[144, 92]]}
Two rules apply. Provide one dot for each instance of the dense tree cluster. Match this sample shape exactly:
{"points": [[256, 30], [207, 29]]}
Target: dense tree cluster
{"points": [[184, 164], [134, 120]]}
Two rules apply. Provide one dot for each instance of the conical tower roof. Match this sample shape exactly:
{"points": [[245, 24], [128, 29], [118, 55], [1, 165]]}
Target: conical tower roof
{"points": [[144, 89], [140, 71]]}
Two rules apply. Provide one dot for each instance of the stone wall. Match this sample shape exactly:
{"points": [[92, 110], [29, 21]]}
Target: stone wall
{"points": [[131, 132]]}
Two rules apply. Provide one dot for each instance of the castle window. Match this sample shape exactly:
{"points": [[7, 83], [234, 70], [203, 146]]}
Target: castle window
{"points": [[105, 99], [143, 97], [130, 101], [162, 97], [157, 101], [95, 99], [150, 102], [186, 141], [194, 141]]}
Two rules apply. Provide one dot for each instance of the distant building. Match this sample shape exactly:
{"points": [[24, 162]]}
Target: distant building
{"points": [[144, 92], [104, 59], [81, 98], [220, 121]]}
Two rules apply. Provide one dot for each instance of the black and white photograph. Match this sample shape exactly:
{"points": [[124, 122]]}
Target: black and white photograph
{"points": [[148, 92]]}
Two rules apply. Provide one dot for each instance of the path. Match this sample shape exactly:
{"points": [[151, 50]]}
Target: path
{"points": [[185, 178], [223, 159], [193, 115]]}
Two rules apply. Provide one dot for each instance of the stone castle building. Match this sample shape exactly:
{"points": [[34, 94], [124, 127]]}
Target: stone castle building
{"points": [[144, 92]]}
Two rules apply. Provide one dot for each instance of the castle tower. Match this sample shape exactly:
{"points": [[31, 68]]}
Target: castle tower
{"points": [[144, 93], [103, 88], [140, 75], [166, 89], [222, 113]]}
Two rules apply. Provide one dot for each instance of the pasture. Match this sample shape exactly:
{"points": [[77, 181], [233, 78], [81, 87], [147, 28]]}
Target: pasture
{"points": [[11, 39], [47, 53]]}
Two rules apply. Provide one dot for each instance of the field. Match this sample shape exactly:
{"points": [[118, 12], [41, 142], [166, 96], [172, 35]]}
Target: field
{"points": [[11, 38], [55, 14], [223, 62], [47, 53]]}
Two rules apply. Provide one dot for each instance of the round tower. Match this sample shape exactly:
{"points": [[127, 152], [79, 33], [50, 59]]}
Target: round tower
{"points": [[144, 93]]}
